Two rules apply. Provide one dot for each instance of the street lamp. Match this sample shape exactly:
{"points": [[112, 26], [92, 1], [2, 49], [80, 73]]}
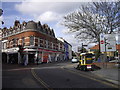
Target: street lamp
{"points": [[106, 43], [1, 12]]}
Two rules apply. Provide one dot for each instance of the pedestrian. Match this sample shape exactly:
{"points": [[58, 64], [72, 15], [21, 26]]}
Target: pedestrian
{"points": [[25, 60], [37, 59]]}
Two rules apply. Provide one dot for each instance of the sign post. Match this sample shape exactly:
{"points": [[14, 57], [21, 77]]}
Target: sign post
{"points": [[107, 44], [1, 12], [102, 43]]}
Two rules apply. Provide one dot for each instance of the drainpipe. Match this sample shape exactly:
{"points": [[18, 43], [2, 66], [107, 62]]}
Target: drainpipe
{"points": [[7, 58]]}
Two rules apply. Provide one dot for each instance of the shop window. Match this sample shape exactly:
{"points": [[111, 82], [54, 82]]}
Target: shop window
{"points": [[4, 45]]}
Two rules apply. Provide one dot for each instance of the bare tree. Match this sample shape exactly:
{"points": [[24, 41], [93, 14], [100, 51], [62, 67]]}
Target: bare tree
{"points": [[94, 18]]}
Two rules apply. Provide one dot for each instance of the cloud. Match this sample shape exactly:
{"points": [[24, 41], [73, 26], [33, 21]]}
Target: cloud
{"points": [[41, 7], [70, 38], [9, 20], [65, 31], [1, 18], [51, 12], [47, 11], [48, 16]]}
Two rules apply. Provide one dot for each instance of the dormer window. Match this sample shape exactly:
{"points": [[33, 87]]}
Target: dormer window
{"points": [[10, 32], [23, 27], [3, 35], [18, 28], [14, 31], [6, 33]]}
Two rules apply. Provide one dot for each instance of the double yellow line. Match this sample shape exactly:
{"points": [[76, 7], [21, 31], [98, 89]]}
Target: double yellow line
{"points": [[71, 71], [40, 80]]}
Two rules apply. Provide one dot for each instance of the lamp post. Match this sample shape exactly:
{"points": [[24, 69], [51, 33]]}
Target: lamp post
{"points": [[106, 43], [1, 12]]}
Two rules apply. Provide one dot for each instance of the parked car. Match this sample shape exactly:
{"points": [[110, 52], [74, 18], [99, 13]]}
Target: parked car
{"points": [[74, 60]]}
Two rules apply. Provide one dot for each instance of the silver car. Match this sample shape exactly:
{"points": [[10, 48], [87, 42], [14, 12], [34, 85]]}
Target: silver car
{"points": [[74, 60]]}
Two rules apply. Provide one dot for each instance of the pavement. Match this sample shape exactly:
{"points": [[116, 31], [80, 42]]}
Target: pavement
{"points": [[110, 74]]}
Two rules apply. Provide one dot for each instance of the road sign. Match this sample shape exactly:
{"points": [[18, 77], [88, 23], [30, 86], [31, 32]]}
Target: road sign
{"points": [[107, 42], [102, 41], [118, 38], [102, 44], [110, 42]]}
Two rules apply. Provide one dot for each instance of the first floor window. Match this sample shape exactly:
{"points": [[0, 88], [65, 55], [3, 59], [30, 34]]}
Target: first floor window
{"points": [[23, 41], [4, 45], [31, 40]]}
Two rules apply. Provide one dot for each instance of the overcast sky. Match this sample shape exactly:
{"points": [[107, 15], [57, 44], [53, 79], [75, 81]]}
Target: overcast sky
{"points": [[50, 13]]}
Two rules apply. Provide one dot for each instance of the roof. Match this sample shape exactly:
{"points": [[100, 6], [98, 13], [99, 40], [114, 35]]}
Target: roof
{"points": [[96, 47]]}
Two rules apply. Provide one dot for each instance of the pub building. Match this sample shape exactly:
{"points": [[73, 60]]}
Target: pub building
{"points": [[24, 42]]}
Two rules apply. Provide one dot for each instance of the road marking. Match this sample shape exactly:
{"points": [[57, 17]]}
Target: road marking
{"points": [[39, 79], [115, 86], [16, 69]]}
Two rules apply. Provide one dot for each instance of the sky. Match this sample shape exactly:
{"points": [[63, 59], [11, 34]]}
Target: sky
{"points": [[50, 13]]}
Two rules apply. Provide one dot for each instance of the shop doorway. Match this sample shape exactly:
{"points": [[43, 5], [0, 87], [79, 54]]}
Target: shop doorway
{"points": [[13, 58], [4, 57], [31, 58]]}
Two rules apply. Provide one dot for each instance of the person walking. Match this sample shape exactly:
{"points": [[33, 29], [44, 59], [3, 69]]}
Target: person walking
{"points": [[37, 59]]}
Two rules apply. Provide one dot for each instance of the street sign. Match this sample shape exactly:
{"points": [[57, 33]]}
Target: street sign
{"points": [[110, 42], [107, 42], [118, 40], [102, 43]]}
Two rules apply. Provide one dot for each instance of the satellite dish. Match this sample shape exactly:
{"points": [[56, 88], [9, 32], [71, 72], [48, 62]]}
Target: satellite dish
{"points": [[1, 12]]}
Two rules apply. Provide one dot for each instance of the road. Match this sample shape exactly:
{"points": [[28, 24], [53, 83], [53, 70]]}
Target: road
{"points": [[50, 76]]}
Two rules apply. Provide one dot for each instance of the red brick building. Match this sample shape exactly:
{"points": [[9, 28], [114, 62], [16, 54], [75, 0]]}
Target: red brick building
{"points": [[35, 39]]}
